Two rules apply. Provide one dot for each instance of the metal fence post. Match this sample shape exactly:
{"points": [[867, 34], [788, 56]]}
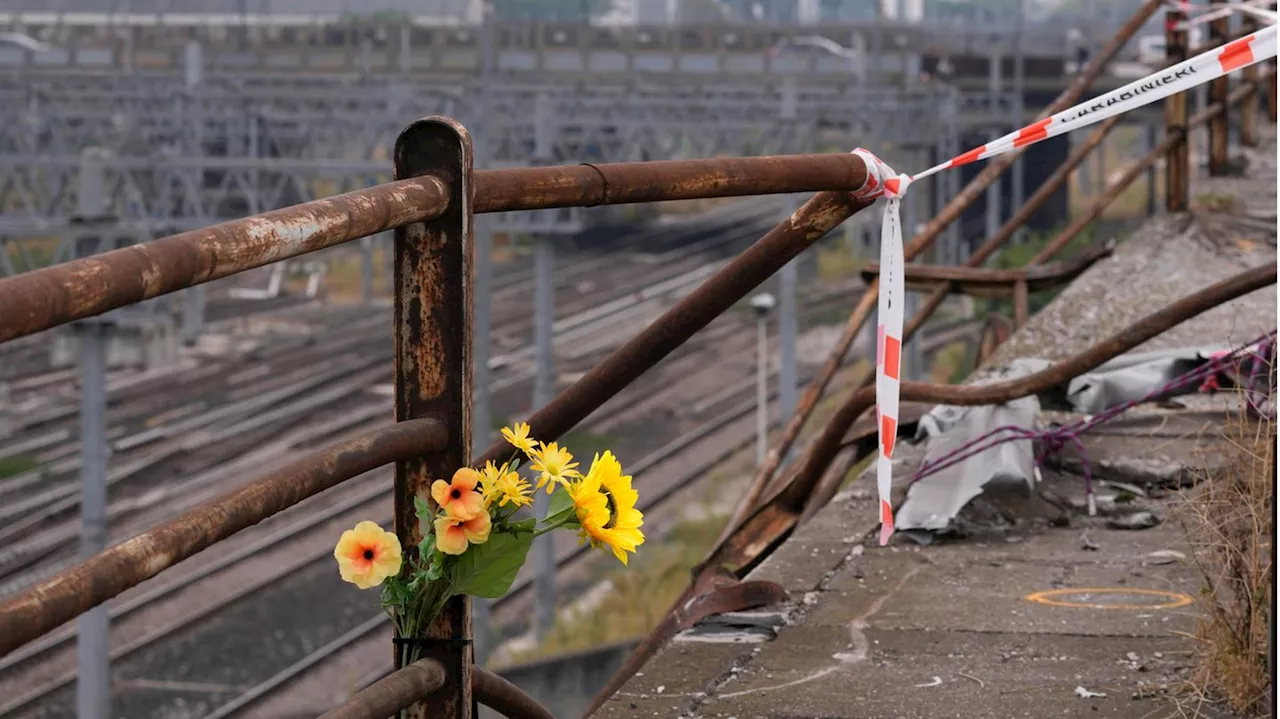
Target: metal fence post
{"points": [[544, 390], [1177, 162], [93, 675], [788, 327], [1218, 88], [1249, 107], [433, 369], [1153, 139]]}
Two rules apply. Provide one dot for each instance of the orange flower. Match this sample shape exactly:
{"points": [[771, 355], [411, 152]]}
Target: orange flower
{"points": [[453, 535], [458, 498], [367, 555]]}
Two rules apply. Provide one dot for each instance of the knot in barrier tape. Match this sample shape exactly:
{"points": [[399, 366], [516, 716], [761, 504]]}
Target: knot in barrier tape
{"points": [[881, 181]]}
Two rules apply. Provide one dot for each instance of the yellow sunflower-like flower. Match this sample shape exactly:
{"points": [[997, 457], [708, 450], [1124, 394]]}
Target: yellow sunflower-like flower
{"points": [[367, 555], [554, 465], [518, 437], [606, 506], [504, 487]]}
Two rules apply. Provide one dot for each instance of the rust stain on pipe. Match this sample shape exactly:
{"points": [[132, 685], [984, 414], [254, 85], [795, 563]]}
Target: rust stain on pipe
{"points": [[51, 296], [629, 182], [92, 582]]}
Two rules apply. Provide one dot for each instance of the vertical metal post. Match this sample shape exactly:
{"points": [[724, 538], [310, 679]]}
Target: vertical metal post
{"points": [[543, 392], [762, 388], [1018, 177], [993, 204], [1249, 107], [1218, 87], [433, 370], [1271, 86], [544, 380], [914, 366], [787, 329], [193, 78], [192, 314], [366, 269], [1177, 162], [482, 424], [1153, 138], [1100, 174], [1086, 178], [93, 674]]}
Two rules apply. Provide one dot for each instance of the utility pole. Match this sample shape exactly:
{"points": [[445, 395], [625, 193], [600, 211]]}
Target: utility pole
{"points": [[193, 297], [93, 662], [544, 379], [481, 317], [762, 304]]}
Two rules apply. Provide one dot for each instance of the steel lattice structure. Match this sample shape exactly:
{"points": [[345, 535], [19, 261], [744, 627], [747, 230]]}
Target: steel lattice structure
{"points": [[187, 155]]}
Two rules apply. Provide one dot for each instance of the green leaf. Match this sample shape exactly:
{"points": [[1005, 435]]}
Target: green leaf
{"points": [[487, 570], [427, 547], [524, 525], [421, 508], [561, 510]]}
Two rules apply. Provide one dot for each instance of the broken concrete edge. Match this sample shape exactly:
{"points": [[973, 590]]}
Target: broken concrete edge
{"points": [[698, 661]]}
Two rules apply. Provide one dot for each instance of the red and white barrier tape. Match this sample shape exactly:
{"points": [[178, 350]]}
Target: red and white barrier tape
{"points": [[1215, 11], [882, 181]]}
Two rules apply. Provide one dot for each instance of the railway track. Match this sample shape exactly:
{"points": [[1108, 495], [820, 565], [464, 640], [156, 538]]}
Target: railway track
{"points": [[254, 579]]}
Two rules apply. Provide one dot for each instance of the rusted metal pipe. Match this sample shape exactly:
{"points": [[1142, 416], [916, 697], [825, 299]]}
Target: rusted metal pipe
{"points": [[74, 591], [985, 282], [52, 296], [774, 520], [504, 697], [950, 213], [810, 223], [1021, 304], [392, 693], [1114, 189], [621, 183]]}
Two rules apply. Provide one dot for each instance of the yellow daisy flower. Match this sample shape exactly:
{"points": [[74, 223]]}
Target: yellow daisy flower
{"points": [[519, 438], [554, 465], [606, 506], [504, 487], [367, 555]]}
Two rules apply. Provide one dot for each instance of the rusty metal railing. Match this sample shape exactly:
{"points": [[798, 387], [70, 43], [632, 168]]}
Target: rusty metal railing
{"points": [[430, 206]]}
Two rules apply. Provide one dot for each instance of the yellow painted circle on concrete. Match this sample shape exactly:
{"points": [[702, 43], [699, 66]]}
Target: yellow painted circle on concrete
{"points": [[1073, 598]]}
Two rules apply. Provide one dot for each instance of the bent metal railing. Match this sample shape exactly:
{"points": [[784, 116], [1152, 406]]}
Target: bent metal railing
{"points": [[430, 206]]}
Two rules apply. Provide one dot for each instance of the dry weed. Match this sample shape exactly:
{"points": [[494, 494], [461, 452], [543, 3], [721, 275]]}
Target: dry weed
{"points": [[1228, 520]]}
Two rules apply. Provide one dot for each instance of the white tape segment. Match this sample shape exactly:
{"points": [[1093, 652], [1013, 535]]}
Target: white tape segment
{"points": [[1202, 14], [882, 181]]}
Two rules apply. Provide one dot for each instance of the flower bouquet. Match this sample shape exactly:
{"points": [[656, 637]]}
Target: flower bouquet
{"points": [[474, 544]]}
